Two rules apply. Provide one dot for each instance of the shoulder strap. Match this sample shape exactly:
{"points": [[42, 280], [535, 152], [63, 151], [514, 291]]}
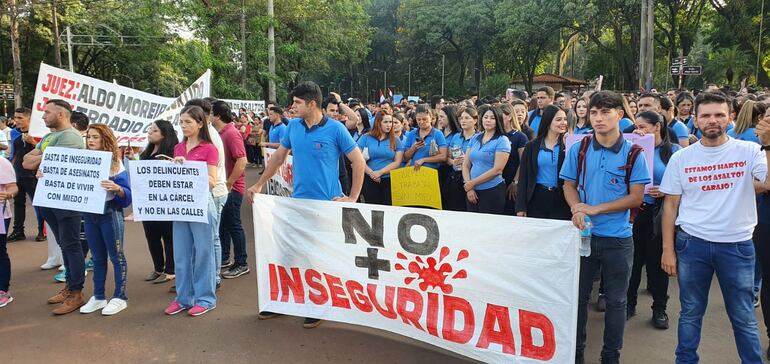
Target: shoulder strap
{"points": [[632, 155], [581, 166]]}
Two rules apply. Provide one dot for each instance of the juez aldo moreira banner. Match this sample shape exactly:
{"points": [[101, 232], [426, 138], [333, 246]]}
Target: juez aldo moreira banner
{"points": [[485, 286]]}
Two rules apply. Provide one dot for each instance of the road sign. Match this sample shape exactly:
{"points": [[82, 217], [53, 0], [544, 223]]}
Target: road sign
{"points": [[679, 61], [675, 70], [692, 70]]}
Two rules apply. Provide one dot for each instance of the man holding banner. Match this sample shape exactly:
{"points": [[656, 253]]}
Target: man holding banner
{"points": [[65, 224], [316, 142]]}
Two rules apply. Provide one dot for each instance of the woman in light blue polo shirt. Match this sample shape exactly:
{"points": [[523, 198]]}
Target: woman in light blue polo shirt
{"points": [[425, 145], [455, 192], [648, 246], [484, 163], [383, 152], [747, 120], [582, 123]]}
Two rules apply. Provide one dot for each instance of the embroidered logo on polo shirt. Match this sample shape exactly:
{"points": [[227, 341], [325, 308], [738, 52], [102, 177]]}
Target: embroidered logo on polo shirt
{"points": [[613, 181]]}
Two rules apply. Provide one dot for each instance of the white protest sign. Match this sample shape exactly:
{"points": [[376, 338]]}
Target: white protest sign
{"points": [[72, 179], [485, 286], [128, 112], [647, 142], [255, 106], [168, 191], [281, 184]]}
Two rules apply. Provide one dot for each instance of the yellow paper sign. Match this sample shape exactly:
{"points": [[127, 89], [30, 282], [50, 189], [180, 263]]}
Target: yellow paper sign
{"points": [[415, 188]]}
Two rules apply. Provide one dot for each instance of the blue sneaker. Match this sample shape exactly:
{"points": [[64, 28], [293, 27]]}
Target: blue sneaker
{"points": [[61, 277], [90, 264]]}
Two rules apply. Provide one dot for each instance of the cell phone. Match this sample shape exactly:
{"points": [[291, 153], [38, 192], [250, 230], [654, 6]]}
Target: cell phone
{"points": [[164, 157], [419, 139]]}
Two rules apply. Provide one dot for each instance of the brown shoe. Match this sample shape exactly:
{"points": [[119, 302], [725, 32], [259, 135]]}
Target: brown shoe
{"points": [[60, 297], [72, 303]]}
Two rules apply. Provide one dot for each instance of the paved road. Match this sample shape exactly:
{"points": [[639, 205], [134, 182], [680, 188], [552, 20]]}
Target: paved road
{"points": [[231, 333]]}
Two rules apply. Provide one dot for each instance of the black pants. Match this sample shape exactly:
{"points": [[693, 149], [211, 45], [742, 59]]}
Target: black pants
{"points": [[490, 201], [377, 193], [762, 245], [647, 251], [453, 194], [510, 204], [160, 240], [27, 186], [548, 204]]}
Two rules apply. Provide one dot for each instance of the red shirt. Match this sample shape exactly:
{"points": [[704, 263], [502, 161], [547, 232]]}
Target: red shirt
{"points": [[234, 149], [203, 152]]}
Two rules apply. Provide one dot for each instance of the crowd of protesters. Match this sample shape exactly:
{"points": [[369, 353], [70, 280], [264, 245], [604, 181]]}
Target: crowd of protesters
{"points": [[497, 155]]}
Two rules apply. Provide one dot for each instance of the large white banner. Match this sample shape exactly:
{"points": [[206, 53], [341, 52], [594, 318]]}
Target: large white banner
{"points": [[489, 287], [281, 184], [126, 111], [168, 191], [72, 179]]}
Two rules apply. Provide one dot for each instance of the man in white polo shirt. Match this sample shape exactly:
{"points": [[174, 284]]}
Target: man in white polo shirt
{"points": [[710, 207]]}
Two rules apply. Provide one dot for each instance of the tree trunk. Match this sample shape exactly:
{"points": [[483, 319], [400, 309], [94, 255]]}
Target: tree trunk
{"points": [[17, 90]]}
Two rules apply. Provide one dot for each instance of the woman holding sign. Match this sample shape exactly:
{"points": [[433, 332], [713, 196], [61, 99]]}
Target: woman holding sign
{"points": [[160, 234], [383, 152], [8, 189], [193, 241], [483, 167], [104, 232]]}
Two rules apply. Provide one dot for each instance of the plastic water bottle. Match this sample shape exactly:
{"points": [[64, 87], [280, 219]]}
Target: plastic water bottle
{"points": [[585, 237]]}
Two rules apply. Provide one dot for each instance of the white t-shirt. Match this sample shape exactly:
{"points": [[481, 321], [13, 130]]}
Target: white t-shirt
{"points": [[7, 176], [717, 189], [5, 140], [220, 189]]}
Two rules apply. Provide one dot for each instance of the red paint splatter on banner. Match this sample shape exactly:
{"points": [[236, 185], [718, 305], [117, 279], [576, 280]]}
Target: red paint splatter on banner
{"points": [[433, 274]]}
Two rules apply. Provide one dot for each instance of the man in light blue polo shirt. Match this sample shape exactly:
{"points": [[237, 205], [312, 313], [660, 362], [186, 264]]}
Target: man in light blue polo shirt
{"points": [[316, 142], [601, 193], [545, 96], [277, 128]]}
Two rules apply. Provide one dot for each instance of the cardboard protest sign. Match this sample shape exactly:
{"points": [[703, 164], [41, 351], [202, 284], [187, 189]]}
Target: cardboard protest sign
{"points": [[168, 191], [128, 112], [469, 283], [281, 183], [415, 188], [647, 142], [72, 179]]}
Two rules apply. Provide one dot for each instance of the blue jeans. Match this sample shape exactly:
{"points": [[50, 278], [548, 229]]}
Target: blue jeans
{"points": [[614, 256], [193, 258], [65, 226], [104, 233], [231, 228], [733, 263], [215, 215]]}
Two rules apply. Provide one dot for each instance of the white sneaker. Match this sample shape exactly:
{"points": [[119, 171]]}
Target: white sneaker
{"points": [[48, 266], [93, 305], [61, 268], [116, 305]]}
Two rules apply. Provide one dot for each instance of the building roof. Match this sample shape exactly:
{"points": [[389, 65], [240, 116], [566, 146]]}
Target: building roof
{"points": [[552, 78]]}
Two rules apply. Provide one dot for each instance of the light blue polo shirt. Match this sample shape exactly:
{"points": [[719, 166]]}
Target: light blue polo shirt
{"points": [[380, 153], [679, 129], [605, 182], [584, 130], [483, 158], [459, 141], [547, 165], [691, 127], [316, 152], [424, 152], [748, 135], [534, 120], [276, 133], [658, 169], [626, 123]]}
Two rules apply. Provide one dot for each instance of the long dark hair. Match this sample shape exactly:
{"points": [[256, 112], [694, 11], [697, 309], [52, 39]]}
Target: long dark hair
{"points": [[197, 114], [451, 115], [499, 123], [364, 119], [666, 149], [166, 145], [549, 113]]}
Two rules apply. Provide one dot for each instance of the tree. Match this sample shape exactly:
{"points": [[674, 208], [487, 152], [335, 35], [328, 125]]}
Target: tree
{"points": [[729, 63]]}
